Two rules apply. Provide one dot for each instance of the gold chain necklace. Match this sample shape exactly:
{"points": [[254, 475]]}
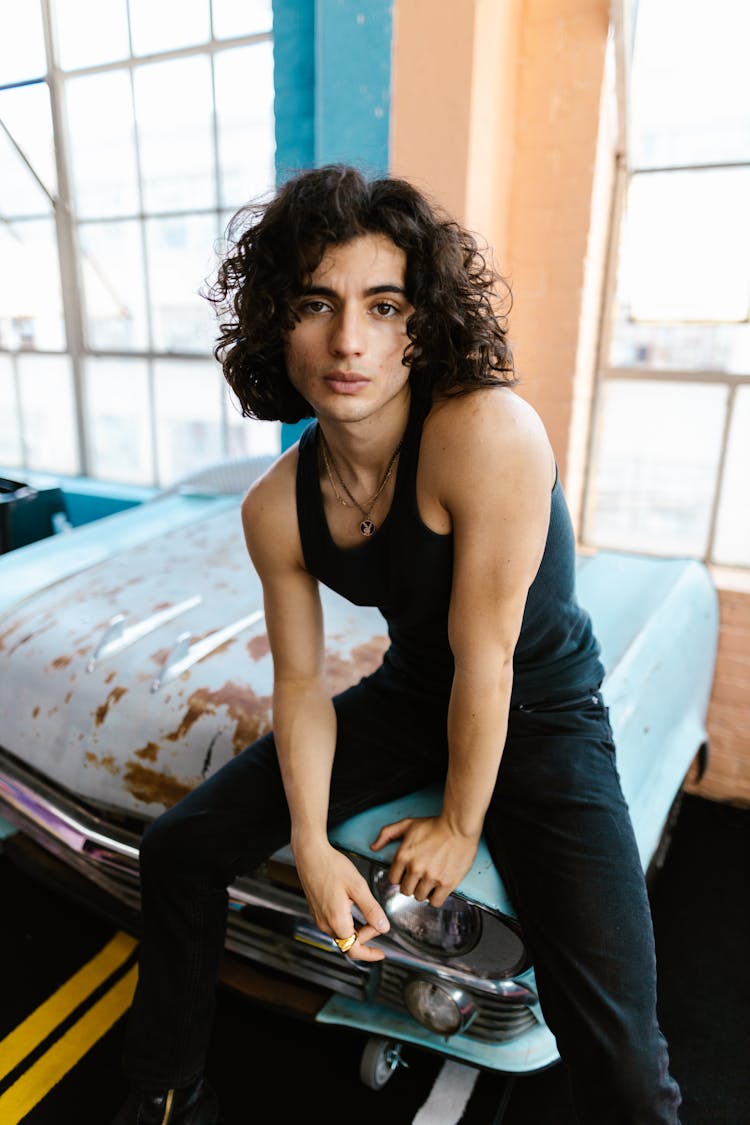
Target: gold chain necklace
{"points": [[366, 527]]}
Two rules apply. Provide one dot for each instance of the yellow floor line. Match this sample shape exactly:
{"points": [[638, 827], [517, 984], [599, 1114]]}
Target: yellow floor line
{"points": [[20, 1098], [36, 1027]]}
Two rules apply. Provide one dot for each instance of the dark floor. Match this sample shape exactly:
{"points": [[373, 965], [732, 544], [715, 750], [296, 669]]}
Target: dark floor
{"points": [[296, 1071]]}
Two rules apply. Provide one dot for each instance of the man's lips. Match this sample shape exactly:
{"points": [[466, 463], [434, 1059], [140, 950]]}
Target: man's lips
{"points": [[345, 382]]}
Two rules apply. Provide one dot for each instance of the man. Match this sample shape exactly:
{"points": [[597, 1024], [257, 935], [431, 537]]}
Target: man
{"points": [[427, 487]]}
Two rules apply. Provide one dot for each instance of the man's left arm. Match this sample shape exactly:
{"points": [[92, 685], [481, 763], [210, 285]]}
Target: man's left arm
{"points": [[498, 497]]}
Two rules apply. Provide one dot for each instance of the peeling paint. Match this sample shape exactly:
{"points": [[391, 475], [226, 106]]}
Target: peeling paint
{"points": [[154, 788], [251, 712], [114, 697], [259, 646], [341, 672], [106, 761], [149, 752]]}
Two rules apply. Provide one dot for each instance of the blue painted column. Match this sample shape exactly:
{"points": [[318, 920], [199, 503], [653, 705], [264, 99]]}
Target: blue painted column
{"points": [[332, 79]]}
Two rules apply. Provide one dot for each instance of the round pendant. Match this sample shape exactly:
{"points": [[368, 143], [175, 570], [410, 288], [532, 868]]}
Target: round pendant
{"points": [[367, 527]]}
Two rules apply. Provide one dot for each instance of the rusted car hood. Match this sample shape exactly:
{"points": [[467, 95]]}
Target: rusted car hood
{"points": [[130, 681]]}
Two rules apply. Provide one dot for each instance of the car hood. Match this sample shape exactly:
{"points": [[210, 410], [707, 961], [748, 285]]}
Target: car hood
{"points": [[141, 674]]}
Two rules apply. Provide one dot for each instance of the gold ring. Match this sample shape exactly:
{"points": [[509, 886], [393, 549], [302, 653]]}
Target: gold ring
{"points": [[345, 943]]}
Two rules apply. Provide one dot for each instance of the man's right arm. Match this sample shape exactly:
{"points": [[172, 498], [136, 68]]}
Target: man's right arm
{"points": [[304, 719]]}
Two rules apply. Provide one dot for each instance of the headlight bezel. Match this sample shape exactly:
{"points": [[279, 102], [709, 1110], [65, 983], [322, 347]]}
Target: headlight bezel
{"points": [[498, 954]]}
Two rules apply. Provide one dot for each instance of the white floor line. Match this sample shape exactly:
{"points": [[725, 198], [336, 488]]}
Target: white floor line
{"points": [[449, 1095]]}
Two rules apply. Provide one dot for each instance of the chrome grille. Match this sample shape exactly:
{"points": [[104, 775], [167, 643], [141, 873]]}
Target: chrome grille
{"points": [[497, 1019]]}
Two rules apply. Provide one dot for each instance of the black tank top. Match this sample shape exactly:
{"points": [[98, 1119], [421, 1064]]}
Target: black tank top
{"points": [[405, 569]]}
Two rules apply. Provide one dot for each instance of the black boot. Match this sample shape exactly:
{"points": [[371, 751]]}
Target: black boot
{"points": [[196, 1104]]}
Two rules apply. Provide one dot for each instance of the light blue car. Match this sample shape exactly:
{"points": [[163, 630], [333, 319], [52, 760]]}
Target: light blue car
{"points": [[135, 662]]}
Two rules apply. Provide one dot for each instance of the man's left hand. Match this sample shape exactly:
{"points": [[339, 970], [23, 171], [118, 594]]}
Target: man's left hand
{"points": [[432, 858]]}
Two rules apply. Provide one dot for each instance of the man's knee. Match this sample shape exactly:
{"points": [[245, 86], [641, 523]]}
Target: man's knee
{"points": [[166, 847]]}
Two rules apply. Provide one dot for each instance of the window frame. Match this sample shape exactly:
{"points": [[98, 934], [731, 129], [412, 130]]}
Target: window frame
{"points": [[77, 348], [624, 30]]}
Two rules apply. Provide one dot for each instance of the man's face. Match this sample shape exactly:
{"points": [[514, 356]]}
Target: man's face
{"points": [[344, 354]]}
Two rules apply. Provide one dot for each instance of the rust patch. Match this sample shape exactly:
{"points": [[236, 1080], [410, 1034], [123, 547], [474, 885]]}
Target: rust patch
{"points": [[106, 762], [148, 752], [61, 662], [251, 712], [160, 657], [259, 646], [68, 697], [341, 672], [114, 697], [162, 605], [109, 678], [35, 712], [153, 787]]}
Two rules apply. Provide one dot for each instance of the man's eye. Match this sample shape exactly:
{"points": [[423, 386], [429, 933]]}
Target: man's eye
{"points": [[385, 308], [314, 306]]}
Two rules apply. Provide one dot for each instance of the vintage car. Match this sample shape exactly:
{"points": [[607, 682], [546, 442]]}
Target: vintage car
{"points": [[135, 662]]}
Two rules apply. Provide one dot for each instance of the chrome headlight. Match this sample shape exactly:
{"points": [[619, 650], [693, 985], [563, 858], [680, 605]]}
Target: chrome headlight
{"points": [[442, 1008], [451, 930]]}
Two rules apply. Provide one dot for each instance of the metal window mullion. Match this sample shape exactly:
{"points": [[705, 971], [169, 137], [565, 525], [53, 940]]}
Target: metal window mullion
{"points": [[653, 374], [70, 276], [720, 472], [141, 220], [210, 45], [619, 194], [223, 418]]}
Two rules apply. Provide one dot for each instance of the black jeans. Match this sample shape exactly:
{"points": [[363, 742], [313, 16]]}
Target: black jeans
{"points": [[557, 827]]}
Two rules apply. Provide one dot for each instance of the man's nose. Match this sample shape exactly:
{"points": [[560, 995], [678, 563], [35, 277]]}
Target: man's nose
{"points": [[347, 333]]}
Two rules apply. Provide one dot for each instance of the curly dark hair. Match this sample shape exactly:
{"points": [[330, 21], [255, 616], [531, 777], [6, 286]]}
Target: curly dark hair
{"points": [[457, 336]]}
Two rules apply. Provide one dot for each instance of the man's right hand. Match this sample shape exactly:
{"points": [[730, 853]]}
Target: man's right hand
{"points": [[332, 886]]}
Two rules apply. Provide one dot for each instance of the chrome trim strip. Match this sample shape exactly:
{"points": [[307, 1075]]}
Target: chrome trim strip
{"points": [[184, 655], [117, 637]]}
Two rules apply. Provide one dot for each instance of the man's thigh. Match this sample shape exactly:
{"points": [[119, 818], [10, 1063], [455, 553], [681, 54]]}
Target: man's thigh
{"points": [[385, 747], [559, 830]]}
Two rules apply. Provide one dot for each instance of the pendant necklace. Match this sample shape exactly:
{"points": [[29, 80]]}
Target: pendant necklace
{"points": [[366, 527]]}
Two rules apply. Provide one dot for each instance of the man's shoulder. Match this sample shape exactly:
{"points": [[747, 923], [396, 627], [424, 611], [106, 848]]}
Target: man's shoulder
{"points": [[269, 506], [493, 417]]}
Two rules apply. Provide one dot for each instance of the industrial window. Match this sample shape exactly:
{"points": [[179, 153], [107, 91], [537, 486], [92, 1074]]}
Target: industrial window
{"points": [[671, 450], [128, 137]]}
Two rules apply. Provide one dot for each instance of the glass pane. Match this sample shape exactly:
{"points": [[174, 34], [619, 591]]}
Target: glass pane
{"points": [[25, 112], [100, 124], [11, 449], [654, 470], [686, 247], [682, 347], [156, 25], [91, 32], [22, 54], [188, 417], [47, 403], [118, 419], [20, 194], [114, 286], [691, 83], [241, 17], [248, 437], [180, 260], [732, 542], [175, 132], [31, 314], [244, 109]]}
